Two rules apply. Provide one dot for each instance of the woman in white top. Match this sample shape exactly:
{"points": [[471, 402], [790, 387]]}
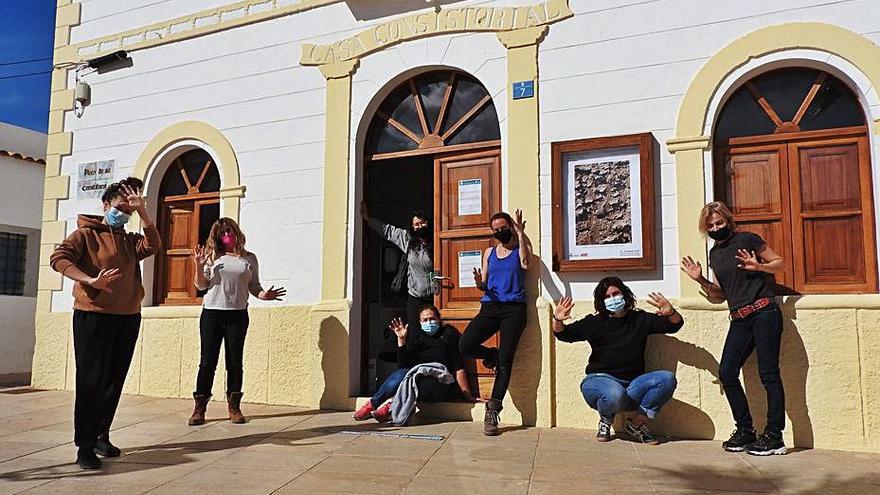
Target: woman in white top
{"points": [[230, 274]]}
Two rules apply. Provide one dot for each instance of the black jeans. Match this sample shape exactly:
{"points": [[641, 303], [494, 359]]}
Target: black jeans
{"points": [[510, 320], [102, 347], [215, 327], [761, 331]]}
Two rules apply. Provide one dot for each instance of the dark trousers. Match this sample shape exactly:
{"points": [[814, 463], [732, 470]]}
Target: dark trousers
{"points": [[102, 347], [217, 326], [430, 390], [507, 318], [413, 304], [761, 331]]}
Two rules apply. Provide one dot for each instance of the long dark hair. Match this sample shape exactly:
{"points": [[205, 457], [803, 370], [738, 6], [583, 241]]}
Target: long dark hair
{"points": [[602, 289]]}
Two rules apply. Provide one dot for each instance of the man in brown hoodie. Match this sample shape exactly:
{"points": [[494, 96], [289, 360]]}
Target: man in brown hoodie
{"points": [[103, 259]]}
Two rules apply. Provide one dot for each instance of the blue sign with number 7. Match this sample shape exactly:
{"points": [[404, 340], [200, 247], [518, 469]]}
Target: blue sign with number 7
{"points": [[523, 89]]}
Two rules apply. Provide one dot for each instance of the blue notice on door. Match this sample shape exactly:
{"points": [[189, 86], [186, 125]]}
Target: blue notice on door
{"points": [[523, 89]]}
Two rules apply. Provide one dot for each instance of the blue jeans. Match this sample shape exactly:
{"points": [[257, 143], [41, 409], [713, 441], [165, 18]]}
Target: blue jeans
{"points": [[388, 387], [610, 395]]}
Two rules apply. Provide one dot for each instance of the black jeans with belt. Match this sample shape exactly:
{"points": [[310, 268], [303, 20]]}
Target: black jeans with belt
{"points": [[509, 318], [103, 346], [762, 332], [215, 327]]}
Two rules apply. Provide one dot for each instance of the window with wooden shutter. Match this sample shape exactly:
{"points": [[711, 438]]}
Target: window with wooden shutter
{"points": [[792, 162], [189, 203]]}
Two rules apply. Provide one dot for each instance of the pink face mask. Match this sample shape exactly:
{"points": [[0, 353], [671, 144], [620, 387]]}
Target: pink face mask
{"points": [[228, 241]]}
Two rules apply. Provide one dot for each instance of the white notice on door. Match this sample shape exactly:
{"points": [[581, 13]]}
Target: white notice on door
{"points": [[470, 197], [467, 261]]}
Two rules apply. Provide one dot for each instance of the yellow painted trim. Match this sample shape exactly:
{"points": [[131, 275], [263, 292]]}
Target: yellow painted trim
{"points": [[185, 27], [62, 36], [688, 143], [68, 15], [50, 210], [693, 112], [57, 187], [53, 232], [433, 23], [59, 144], [56, 122], [166, 312], [522, 38], [53, 165], [59, 80], [61, 100], [207, 134], [46, 251], [49, 279], [337, 142], [877, 127]]}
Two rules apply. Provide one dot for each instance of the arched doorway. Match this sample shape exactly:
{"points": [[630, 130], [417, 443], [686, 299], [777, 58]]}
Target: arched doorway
{"points": [[188, 205], [791, 158], [433, 145]]}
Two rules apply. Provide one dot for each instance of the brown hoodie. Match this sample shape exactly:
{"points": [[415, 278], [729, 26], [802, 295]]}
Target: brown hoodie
{"points": [[93, 247]]}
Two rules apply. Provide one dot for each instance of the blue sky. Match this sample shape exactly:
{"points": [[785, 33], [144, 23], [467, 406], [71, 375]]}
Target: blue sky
{"points": [[27, 34]]}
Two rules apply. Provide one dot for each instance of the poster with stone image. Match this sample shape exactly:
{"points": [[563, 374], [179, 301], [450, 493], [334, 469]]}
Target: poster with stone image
{"points": [[603, 217]]}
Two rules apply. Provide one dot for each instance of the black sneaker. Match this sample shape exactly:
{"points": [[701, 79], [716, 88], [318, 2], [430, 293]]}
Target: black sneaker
{"points": [[739, 440], [604, 431], [767, 445], [641, 433], [86, 458], [104, 448]]}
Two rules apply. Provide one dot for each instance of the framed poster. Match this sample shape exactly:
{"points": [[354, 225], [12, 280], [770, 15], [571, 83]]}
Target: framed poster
{"points": [[603, 204], [93, 178]]}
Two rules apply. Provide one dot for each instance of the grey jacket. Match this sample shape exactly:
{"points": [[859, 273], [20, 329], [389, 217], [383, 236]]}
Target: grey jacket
{"points": [[418, 283], [403, 406]]}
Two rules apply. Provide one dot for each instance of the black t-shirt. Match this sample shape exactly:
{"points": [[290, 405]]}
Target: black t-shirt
{"points": [[439, 348], [618, 344], [741, 287]]}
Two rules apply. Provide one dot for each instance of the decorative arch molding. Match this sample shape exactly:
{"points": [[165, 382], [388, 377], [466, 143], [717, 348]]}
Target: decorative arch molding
{"points": [[692, 140], [835, 40], [231, 190]]}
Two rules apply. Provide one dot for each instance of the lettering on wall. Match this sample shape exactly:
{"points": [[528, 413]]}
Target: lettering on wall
{"points": [[428, 23], [93, 178]]}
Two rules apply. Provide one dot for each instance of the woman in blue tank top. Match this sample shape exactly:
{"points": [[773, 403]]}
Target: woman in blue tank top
{"points": [[502, 307]]}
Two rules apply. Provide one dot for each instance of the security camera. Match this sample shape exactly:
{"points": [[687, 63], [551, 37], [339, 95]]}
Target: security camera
{"points": [[97, 63]]}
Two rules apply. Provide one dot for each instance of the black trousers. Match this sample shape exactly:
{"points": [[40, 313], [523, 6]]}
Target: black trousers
{"points": [[102, 347], [217, 326], [762, 332], [507, 318]]}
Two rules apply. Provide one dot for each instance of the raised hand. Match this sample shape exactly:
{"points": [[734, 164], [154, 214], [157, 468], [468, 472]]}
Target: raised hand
{"points": [[134, 197], [273, 294], [519, 225], [747, 260], [478, 277], [563, 308], [659, 301], [199, 257], [693, 268], [105, 278], [399, 328]]}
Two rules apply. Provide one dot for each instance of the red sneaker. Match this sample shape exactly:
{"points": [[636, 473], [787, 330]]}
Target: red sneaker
{"points": [[364, 412], [383, 414]]}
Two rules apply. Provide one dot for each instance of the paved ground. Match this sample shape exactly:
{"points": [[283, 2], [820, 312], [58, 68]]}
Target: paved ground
{"points": [[287, 450]]}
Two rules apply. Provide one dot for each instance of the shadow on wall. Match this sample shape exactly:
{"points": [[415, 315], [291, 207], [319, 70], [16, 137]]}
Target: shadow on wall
{"points": [[333, 344], [794, 365]]}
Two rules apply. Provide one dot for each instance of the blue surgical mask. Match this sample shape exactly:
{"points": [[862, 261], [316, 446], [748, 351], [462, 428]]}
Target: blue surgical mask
{"points": [[431, 327], [116, 218], [615, 303]]}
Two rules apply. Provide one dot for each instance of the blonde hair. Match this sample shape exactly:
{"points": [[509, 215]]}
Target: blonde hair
{"points": [[213, 244], [715, 207]]}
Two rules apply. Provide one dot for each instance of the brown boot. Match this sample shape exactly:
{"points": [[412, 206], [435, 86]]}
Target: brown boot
{"points": [[233, 403], [490, 421], [198, 415]]}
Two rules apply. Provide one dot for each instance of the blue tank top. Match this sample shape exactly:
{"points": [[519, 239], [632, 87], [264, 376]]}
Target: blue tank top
{"points": [[506, 278]]}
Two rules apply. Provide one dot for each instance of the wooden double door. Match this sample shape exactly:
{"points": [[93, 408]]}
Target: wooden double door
{"points": [[809, 195]]}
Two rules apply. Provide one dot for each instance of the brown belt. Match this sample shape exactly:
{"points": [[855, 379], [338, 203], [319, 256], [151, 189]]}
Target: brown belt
{"points": [[748, 309]]}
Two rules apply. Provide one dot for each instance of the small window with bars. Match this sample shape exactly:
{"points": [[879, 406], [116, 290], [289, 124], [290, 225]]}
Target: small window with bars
{"points": [[12, 258]]}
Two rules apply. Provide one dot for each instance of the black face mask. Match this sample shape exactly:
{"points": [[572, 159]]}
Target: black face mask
{"points": [[423, 233], [720, 234], [503, 235]]}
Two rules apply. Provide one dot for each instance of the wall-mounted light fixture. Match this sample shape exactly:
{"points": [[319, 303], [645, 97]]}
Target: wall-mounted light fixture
{"points": [[82, 93]]}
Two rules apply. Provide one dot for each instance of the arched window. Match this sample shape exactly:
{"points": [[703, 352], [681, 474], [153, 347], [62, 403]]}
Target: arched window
{"points": [[189, 203], [436, 109], [792, 161]]}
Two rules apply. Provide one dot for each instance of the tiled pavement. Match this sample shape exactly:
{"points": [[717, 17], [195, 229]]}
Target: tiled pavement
{"points": [[288, 450]]}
